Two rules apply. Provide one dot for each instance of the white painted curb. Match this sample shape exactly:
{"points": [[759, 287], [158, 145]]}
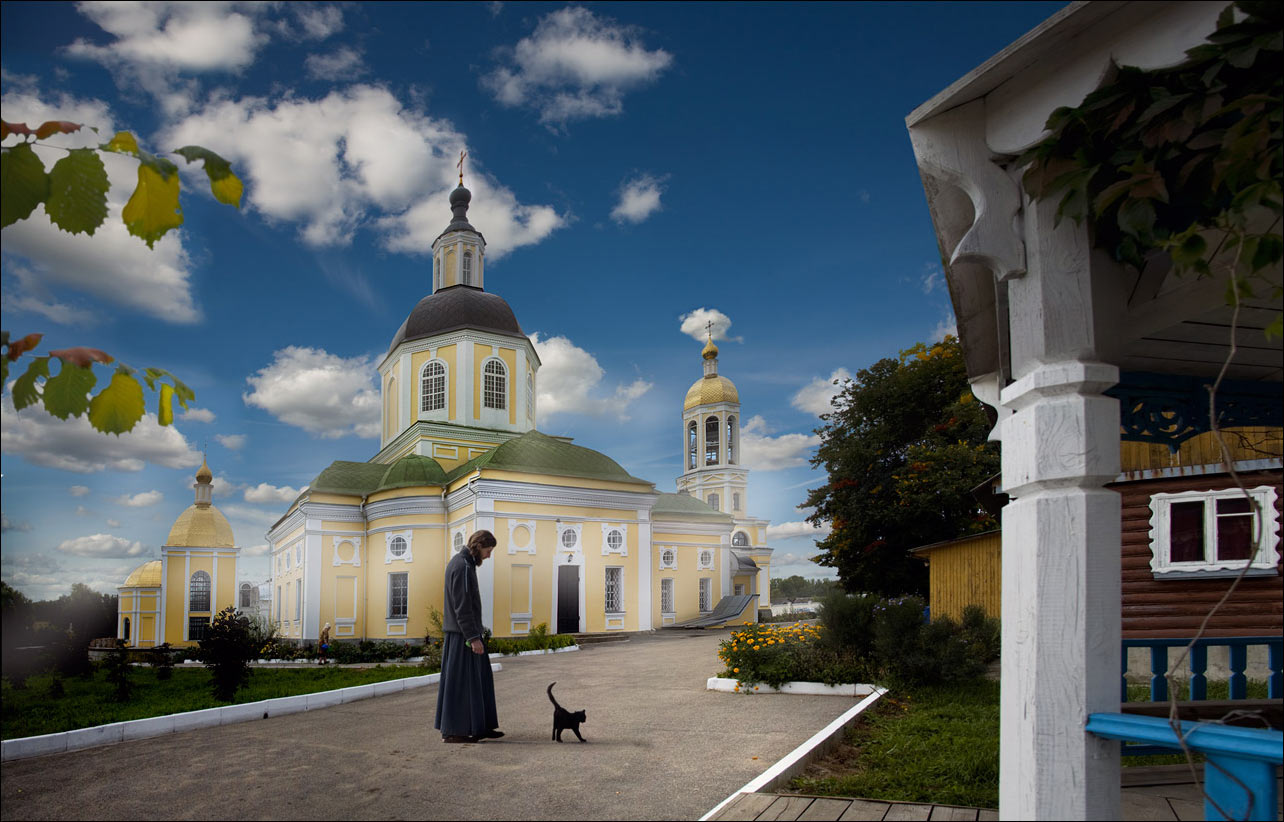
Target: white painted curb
{"points": [[796, 758], [718, 683], [81, 738]]}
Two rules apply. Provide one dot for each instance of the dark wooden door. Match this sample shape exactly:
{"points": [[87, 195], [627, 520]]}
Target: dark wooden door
{"points": [[568, 599]]}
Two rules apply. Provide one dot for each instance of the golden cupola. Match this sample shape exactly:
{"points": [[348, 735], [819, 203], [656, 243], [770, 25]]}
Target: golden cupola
{"points": [[711, 388], [202, 525]]}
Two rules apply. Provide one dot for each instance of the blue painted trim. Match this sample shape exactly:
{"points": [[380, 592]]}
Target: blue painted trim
{"points": [[1170, 408]]}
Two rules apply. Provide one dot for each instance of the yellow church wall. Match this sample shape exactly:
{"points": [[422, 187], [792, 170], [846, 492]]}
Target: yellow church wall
{"points": [[570, 482], [337, 499], [144, 636], [447, 354], [448, 276]]}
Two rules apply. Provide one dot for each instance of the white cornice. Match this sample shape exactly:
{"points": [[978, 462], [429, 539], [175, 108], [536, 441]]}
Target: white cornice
{"points": [[399, 506], [530, 492], [672, 526]]}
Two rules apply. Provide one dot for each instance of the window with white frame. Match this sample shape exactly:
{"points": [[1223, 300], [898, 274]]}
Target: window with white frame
{"points": [[1214, 533], [468, 268], [712, 499], [494, 385], [433, 387], [666, 595], [692, 445], [570, 539], [398, 596], [614, 541], [668, 558], [459, 541], [278, 603], [199, 592], [735, 501], [740, 539], [614, 590], [731, 441], [706, 560], [706, 595], [287, 560]]}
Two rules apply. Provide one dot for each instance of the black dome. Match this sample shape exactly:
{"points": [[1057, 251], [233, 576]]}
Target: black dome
{"points": [[457, 307]]}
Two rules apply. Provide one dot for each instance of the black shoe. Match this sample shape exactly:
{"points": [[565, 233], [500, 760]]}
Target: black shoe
{"points": [[493, 733], [459, 739]]}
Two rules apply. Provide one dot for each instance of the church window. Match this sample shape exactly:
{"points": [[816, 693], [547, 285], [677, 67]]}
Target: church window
{"points": [[494, 385], [711, 441], [459, 541], [692, 446], [433, 386], [245, 594], [706, 595], [398, 596], [666, 595], [126, 630], [740, 539], [569, 539], [614, 586], [668, 558], [468, 268], [706, 560], [398, 546], [197, 627], [735, 501], [712, 499], [199, 592], [614, 540]]}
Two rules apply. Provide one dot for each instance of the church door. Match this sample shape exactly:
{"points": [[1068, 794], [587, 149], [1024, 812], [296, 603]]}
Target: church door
{"points": [[568, 599]]}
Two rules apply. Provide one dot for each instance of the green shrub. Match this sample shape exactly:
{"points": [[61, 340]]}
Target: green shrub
{"points": [[982, 634], [227, 650], [117, 667], [538, 640], [162, 659], [847, 620]]}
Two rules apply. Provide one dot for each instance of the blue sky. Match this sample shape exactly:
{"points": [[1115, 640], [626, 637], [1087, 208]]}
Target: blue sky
{"points": [[637, 170]]}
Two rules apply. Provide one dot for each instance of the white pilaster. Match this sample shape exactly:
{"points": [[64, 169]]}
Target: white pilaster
{"points": [[312, 580], [485, 521], [646, 562], [409, 410], [464, 397]]}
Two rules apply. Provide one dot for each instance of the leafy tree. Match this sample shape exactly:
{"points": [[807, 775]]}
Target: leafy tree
{"points": [[903, 448], [227, 650], [74, 195]]}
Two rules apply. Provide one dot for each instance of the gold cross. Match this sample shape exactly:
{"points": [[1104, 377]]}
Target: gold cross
{"points": [[708, 327], [460, 165]]}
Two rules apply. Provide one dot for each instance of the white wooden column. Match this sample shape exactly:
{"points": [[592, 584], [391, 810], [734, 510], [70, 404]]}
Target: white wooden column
{"points": [[1061, 538]]}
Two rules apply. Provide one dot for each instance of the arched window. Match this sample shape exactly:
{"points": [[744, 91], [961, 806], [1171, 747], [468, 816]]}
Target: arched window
{"points": [[433, 387], [712, 499], [245, 594], [530, 395], [692, 445], [199, 592], [468, 268], [740, 539], [495, 385], [731, 441], [126, 629], [711, 441]]}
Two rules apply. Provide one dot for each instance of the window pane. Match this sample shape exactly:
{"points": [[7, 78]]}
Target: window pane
{"points": [[1186, 532], [666, 596], [197, 627], [1234, 529], [200, 588], [613, 589], [397, 596]]}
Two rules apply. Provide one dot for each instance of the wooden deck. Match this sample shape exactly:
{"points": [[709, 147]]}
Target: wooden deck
{"points": [[1150, 794]]}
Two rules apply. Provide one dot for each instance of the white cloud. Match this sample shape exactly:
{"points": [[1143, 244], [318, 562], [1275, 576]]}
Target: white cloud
{"points": [[932, 278], [220, 487], [639, 198], [253, 517], [7, 524], [111, 265], [142, 500], [575, 65], [815, 396], [358, 158], [82, 511], [761, 451], [570, 382], [102, 545], [78, 490], [790, 530], [316, 22], [264, 493], [73, 445], [232, 442], [319, 392], [342, 64], [947, 327], [197, 415], [260, 550], [113, 523], [695, 323]]}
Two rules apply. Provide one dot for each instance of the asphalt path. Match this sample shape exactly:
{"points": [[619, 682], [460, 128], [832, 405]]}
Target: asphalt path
{"points": [[660, 746]]}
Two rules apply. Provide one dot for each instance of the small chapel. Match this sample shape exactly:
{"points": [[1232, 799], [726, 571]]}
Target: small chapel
{"points": [[584, 547]]}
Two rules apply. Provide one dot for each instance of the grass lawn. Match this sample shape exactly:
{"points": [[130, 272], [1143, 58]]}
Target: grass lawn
{"points": [[32, 710], [937, 745]]}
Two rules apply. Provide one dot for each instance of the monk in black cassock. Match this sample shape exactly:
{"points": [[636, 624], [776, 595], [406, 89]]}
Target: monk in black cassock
{"points": [[466, 693]]}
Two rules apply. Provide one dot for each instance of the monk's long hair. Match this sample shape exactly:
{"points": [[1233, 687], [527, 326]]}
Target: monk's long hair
{"points": [[478, 541]]}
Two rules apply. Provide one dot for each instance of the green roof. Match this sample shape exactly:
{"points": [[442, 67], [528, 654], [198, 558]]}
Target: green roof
{"points": [[536, 453], [412, 470], [355, 478], [685, 505]]}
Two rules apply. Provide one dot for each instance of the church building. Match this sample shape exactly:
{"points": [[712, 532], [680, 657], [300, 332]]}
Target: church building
{"points": [[583, 545]]}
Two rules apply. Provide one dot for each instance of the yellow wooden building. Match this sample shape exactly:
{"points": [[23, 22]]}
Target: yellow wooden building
{"points": [[173, 599], [583, 545]]}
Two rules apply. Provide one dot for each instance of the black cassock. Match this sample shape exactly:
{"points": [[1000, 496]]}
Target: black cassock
{"points": [[466, 693]]}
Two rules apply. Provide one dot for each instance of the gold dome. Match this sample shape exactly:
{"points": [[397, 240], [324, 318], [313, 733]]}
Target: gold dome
{"points": [[204, 475], [147, 575], [712, 389], [710, 350], [201, 526]]}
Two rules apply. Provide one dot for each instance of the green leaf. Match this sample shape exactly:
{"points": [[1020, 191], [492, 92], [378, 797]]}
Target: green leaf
{"points": [[1137, 217], [78, 192], [119, 406], [23, 183], [67, 394], [1268, 252], [165, 405], [153, 209], [1276, 328], [225, 185], [24, 388]]}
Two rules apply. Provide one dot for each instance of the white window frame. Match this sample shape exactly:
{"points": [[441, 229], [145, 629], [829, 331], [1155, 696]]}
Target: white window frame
{"points": [[406, 577], [425, 406], [739, 540], [666, 596], [528, 546], [391, 536], [614, 528], [459, 542], [693, 446], [706, 595], [245, 596], [704, 559], [466, 267], [671, 563], [501, 379], [714, 456], [209, 593], [735, 500], [607, 593], [712, 501], [355, 542], [1265, 534], [571, 529]]}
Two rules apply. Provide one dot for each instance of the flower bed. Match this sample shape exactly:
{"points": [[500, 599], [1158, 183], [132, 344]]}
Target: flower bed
{"points": [[775, 654]]}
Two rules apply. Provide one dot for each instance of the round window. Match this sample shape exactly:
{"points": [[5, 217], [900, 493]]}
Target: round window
{"points": [[706, 558], [397, 546], [568, 538], [667, 556], [521, 537], [459, 540], [614, 539]]}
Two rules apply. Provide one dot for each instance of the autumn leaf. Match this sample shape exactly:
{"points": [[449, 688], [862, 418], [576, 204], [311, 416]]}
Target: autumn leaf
{"points": [[20, 347], [78, 185], [165, 409], [153, 209], [225, 185], [119, 406], [7, 128], [122, 143], [23, 181], [52, 127], [82, 356]]}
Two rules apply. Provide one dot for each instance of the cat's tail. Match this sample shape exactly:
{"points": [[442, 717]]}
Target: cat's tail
{"points": [[550, 695]]}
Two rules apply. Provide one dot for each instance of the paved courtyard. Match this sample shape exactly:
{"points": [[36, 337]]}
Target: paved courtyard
{"points": [[660, 747]]}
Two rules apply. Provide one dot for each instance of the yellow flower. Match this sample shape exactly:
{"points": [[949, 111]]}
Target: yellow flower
{"points": [[735, 670]]}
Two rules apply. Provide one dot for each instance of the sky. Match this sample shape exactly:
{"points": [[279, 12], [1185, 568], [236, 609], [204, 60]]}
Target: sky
{"points": [[638, 170]]}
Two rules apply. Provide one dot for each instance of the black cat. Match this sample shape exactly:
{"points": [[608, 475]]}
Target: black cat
{"points": [[564, 719]]}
